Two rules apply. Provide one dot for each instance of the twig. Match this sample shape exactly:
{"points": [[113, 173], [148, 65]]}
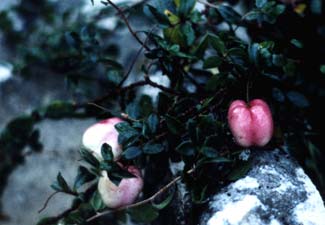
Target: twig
{"points": [[247, 91], [131, 67], [208, 4], [120, 11], [242, 20], [127, 117], [150, 199], [47, 201], [233, 30], [193, 81], [147, 81], [135, 59], [98, 106], [134, 5], [163, 88], [112, 92], [134, 85], [54, 220]]}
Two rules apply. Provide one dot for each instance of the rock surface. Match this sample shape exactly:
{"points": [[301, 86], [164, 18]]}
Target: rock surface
{"points": [[28, 186], [275, 191]]}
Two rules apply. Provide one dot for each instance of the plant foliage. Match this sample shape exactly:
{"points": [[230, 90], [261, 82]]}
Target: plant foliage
{"points": [[209, 62]]}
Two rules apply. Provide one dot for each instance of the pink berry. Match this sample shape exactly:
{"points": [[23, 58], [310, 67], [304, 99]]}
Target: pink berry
{"points": [[125, 193], [100, 133], [251, 125]]}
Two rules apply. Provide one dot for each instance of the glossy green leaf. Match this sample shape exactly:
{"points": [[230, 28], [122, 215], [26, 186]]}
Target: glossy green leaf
{"points": [[192, 129], [107, 153], [298, 99], [212, 62], [59, 109], [89, 157], [174, 125], [260, 3], [114, 76], [132, 152], [61, 184], [175, 35], [217, 44], [152, 148], [160, 17], [296, 43], [322, 69], [202, 46], [186, 7], [229, 14], [127, 134], [217, 160], [198, 194], [240, 170], [189, 33], [209, 152], [97, 202], [144, 213], [253, 53], [153, 123], [165, 202], [83, 176], [186, 148]]}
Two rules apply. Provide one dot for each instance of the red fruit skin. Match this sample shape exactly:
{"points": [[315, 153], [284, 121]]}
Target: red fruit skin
{"points": [[251, 125], [125, 194], [103, 132]]}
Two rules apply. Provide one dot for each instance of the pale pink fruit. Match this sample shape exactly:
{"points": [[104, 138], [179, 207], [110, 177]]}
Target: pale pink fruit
{"points": [[125, 193], [251, 125], [100, 133]]}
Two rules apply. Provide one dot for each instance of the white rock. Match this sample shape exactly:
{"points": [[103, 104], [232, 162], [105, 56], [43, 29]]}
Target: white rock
{"points": [[275, 191], [234, 212], [246, 183], [90, 9], [176, 167], [159, 79], [5, 71], [311, 211], [108, 23]]}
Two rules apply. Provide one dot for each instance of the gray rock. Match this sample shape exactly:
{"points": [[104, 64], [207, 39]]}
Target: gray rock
{"points": [[28, 186], [275, 191], [5, 71]]}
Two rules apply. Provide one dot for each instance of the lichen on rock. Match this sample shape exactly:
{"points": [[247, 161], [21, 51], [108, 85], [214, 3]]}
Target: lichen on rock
{"points": [[275, 191]]}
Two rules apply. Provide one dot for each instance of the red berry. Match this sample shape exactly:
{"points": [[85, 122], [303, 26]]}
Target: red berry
{"points": [[100, 133], [251, 125], [125, 193]]}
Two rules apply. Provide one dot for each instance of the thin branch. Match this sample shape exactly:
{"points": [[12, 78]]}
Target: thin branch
{"points": [[135, 59], [134, 85], [127, 117], [147, 81], [233, 30], [54, 220], [208, 4], [112, 92], [98, 106], [150, 199], [120, 11], [47, 201], [199, 86], [131, 67], [247, 91], [134, 5], [163, 88]]}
